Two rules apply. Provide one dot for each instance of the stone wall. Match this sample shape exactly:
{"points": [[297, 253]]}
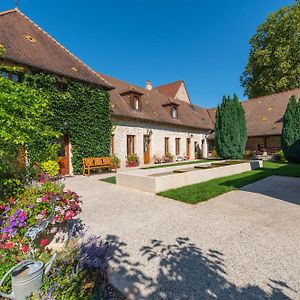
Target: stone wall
{"points": [[157, 145]]}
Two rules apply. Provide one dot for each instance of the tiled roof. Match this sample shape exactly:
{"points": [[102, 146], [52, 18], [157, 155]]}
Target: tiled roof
{"points": [[152, 107], [26, 43], [264, 115], [169, 89]]}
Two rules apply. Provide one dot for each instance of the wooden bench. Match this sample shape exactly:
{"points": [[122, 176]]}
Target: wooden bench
{"points": [[93, 163]]}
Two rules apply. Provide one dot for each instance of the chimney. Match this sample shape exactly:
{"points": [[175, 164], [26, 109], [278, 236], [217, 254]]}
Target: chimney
{"points": [[148, 85]]}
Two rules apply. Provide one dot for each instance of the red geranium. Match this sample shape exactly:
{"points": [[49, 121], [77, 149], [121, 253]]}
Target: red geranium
{"points": [[44, 242], [25, 248], [8, 245]]}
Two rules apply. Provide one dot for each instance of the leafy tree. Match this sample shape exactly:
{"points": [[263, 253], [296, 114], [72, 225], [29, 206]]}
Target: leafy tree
{"points": [[274, 60], [23, 115], [290, 138], [230, 129]]}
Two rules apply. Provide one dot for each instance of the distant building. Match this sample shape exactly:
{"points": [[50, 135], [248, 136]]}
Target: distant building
{"points": [[152, 122], [264, 116]]}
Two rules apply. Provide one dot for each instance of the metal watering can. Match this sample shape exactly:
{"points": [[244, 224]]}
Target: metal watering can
{"points": [[26, 278], [27, 275]]}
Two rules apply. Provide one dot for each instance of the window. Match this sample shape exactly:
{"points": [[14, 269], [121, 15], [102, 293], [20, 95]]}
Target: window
{"points": [[166, 145], [130, 144], [177, 146], [174, 112], [113, 144], [61, 86], [11, 76], [136, 103]]}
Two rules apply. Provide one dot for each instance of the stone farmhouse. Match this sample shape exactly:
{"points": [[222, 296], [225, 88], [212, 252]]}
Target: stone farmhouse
{"points": [[150, 122]]}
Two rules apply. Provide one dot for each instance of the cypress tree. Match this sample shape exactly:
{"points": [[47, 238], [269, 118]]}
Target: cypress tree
{"points": [[290, 137], [230, 129]]}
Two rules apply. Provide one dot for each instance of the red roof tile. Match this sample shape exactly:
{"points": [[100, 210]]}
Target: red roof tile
{"points": [[264, 115], [152, 107]]}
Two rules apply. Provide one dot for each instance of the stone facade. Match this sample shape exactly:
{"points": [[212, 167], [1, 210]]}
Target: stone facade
{"points": [[158, 133]]}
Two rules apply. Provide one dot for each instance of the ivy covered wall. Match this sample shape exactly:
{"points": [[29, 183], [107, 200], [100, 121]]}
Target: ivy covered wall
{"points": [[86, 110]]}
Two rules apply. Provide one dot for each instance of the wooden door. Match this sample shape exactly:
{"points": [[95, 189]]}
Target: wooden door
{"points": [[64, 156], [147, 143], [188, 148]]}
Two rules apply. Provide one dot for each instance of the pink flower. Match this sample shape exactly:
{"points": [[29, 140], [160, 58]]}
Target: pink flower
{"points": [[44, 242], [2, 207], [69, 214], [56, 218], [5, 236], [25, 248], [43, 212], [8, 245], [23, 214]]}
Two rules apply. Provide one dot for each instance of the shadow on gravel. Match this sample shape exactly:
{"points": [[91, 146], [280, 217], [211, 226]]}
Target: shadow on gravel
{"points": [[184, 272]]}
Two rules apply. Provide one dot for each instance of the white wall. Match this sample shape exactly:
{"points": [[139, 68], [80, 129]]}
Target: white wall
{"points": [[139, 129]]}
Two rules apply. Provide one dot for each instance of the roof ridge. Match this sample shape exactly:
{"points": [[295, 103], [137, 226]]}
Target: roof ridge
{"points": [[60, 45], [283, 92], [9, 11], [176, 81]]}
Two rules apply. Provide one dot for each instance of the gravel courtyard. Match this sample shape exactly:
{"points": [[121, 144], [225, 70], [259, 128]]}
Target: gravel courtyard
{"points": [[241, 245]]}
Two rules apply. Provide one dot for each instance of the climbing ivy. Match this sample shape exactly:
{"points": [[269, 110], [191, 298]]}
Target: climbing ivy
{"points": [[2, 51], [86, 110]]}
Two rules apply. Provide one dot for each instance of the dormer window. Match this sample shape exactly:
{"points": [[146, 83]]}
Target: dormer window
{"points": [[132, 95], [174, 112], [136, 103]]}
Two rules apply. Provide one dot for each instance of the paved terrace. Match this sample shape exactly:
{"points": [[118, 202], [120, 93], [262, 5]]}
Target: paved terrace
{"points": [[241, 245]]}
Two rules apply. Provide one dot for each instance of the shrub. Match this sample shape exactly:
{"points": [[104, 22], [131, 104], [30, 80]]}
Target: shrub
{"points": [[279, 157], [290, 137], [248, 154], [51, 167], [230, 129], [132, 160], [169, 157]]}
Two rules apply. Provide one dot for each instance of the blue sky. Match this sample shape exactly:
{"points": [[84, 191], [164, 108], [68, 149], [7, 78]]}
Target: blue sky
{"points": [[205, 43]]}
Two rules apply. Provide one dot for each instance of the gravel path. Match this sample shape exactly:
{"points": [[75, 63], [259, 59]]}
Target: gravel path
{"points": [[241, 245]]}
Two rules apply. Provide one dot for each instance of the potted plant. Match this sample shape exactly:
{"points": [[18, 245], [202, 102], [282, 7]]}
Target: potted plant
{"points": [[168, 157], [132, 160], [115, 160]]}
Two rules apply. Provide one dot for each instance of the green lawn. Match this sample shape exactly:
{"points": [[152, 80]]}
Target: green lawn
{"points": [[111, 180], [179, 164], [205, 190]]}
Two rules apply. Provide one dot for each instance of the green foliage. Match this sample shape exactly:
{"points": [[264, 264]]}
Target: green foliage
{"points": [[2, 51], [274, 60], [290, 137], [51, 167], [24, 112], [115, 160], [230, 129], [248, 154], [86, 110], [279, 157]]}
